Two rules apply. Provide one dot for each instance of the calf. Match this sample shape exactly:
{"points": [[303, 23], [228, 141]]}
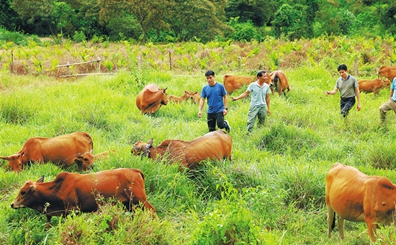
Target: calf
{"points": [[79, 192], [355, 196], [176, 99], [373, 85], [86, 159]]}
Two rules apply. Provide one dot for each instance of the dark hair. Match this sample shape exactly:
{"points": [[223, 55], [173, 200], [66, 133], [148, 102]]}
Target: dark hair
{"points": [[342, 67], [209, 73], [260, 73]]}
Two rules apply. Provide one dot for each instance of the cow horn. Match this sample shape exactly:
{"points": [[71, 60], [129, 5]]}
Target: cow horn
{"points": [[41, 179]]}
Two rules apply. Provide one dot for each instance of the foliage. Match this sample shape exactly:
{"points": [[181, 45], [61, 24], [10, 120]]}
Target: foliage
{"points": [[291, 22], [243, 31], [198, 20]]}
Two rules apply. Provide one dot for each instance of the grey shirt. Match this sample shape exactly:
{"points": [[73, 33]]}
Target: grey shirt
{"points": [[347, 86]]}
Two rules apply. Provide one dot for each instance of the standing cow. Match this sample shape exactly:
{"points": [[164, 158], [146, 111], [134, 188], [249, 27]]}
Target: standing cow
{"points": [[388, 72], [79, 192], [232, 82], [151, 98], [373, 85], [355, 196], [280, 82], [61, 149], [214, 145]]}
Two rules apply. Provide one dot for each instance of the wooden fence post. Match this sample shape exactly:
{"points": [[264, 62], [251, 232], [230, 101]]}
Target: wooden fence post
{"points": [[170, 60], [98, 60], [12, 61]]}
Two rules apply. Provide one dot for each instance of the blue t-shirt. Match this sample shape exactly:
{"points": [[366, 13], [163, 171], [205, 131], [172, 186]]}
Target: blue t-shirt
{"points": [[393, 87], [215, 95]]}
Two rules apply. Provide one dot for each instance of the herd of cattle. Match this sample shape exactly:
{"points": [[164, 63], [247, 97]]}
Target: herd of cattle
{"points": [[350, 194]]}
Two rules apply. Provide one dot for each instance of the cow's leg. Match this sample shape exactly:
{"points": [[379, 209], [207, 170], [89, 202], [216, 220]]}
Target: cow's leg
{"points": [[139, 193], [330, 220], [48, 224], [370, 222], [341, 226]]}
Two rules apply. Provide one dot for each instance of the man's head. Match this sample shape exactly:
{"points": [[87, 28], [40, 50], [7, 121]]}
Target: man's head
{"points": [[210, 77], [342, 70], [260, 73]]}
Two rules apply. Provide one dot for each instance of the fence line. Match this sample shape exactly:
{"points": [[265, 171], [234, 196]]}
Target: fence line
{"points": [[69, 74]]}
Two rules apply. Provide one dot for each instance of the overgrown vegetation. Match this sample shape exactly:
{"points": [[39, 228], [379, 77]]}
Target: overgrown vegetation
{"points": [[272, 192]]}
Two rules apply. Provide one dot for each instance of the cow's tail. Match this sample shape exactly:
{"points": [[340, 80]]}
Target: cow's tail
{"points": [[333, 221]]}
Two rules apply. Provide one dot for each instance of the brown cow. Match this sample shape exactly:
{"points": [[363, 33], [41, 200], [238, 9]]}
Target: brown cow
{"points": [[177, 99], [388, 72], [86, 159], [280, 82], [61, 149], [79, 192], [232, 82], [373, 85], [213, 145], [151, 98], [357, 197]]}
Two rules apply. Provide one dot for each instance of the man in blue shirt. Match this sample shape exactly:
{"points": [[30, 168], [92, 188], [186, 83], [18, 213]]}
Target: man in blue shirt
{"points": [[349, 89], [390, 104], [259, 100], [217, 103]]}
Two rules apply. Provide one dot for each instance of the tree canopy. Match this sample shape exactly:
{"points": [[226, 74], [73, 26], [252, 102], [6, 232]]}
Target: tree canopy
{"points": [[199, 20]]}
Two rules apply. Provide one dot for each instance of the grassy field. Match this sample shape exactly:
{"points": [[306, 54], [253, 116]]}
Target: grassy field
{"points": [[272, 192]]}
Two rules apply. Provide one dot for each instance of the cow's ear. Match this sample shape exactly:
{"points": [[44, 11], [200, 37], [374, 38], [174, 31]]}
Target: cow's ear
{"points": [[4, 158], [149, 143], [165, 90], [41, 179]]}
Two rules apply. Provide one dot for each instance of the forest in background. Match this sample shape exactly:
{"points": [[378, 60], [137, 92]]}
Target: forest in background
{"points": [[169, 21]]}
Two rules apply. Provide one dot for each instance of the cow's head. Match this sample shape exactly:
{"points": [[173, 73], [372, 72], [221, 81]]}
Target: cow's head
{"points": [[386, 83], [164, 100], [143, 149], [15, 161], [26, 196], [84, 161]]}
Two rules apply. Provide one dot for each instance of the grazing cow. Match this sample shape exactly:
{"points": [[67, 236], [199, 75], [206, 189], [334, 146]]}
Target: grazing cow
{"points": [[279, 82], [79, 192], [86, 159], [373, 85], [177, 99], [232, 82], [355, 196], [151, 98], [195, 97], [388, 72], [213, 145], [61, 149]]}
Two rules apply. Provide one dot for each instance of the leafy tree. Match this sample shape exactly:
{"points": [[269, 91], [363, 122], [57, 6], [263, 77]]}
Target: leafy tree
{"points": [[149, 13], [259, 12], [61, 14], [243, 31], [197, 19], [8, 17], [389, 19], [291, 21], [37, 13]]}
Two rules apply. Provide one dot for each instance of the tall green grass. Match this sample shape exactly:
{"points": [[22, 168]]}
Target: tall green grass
{"points": [[272, 192]]}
